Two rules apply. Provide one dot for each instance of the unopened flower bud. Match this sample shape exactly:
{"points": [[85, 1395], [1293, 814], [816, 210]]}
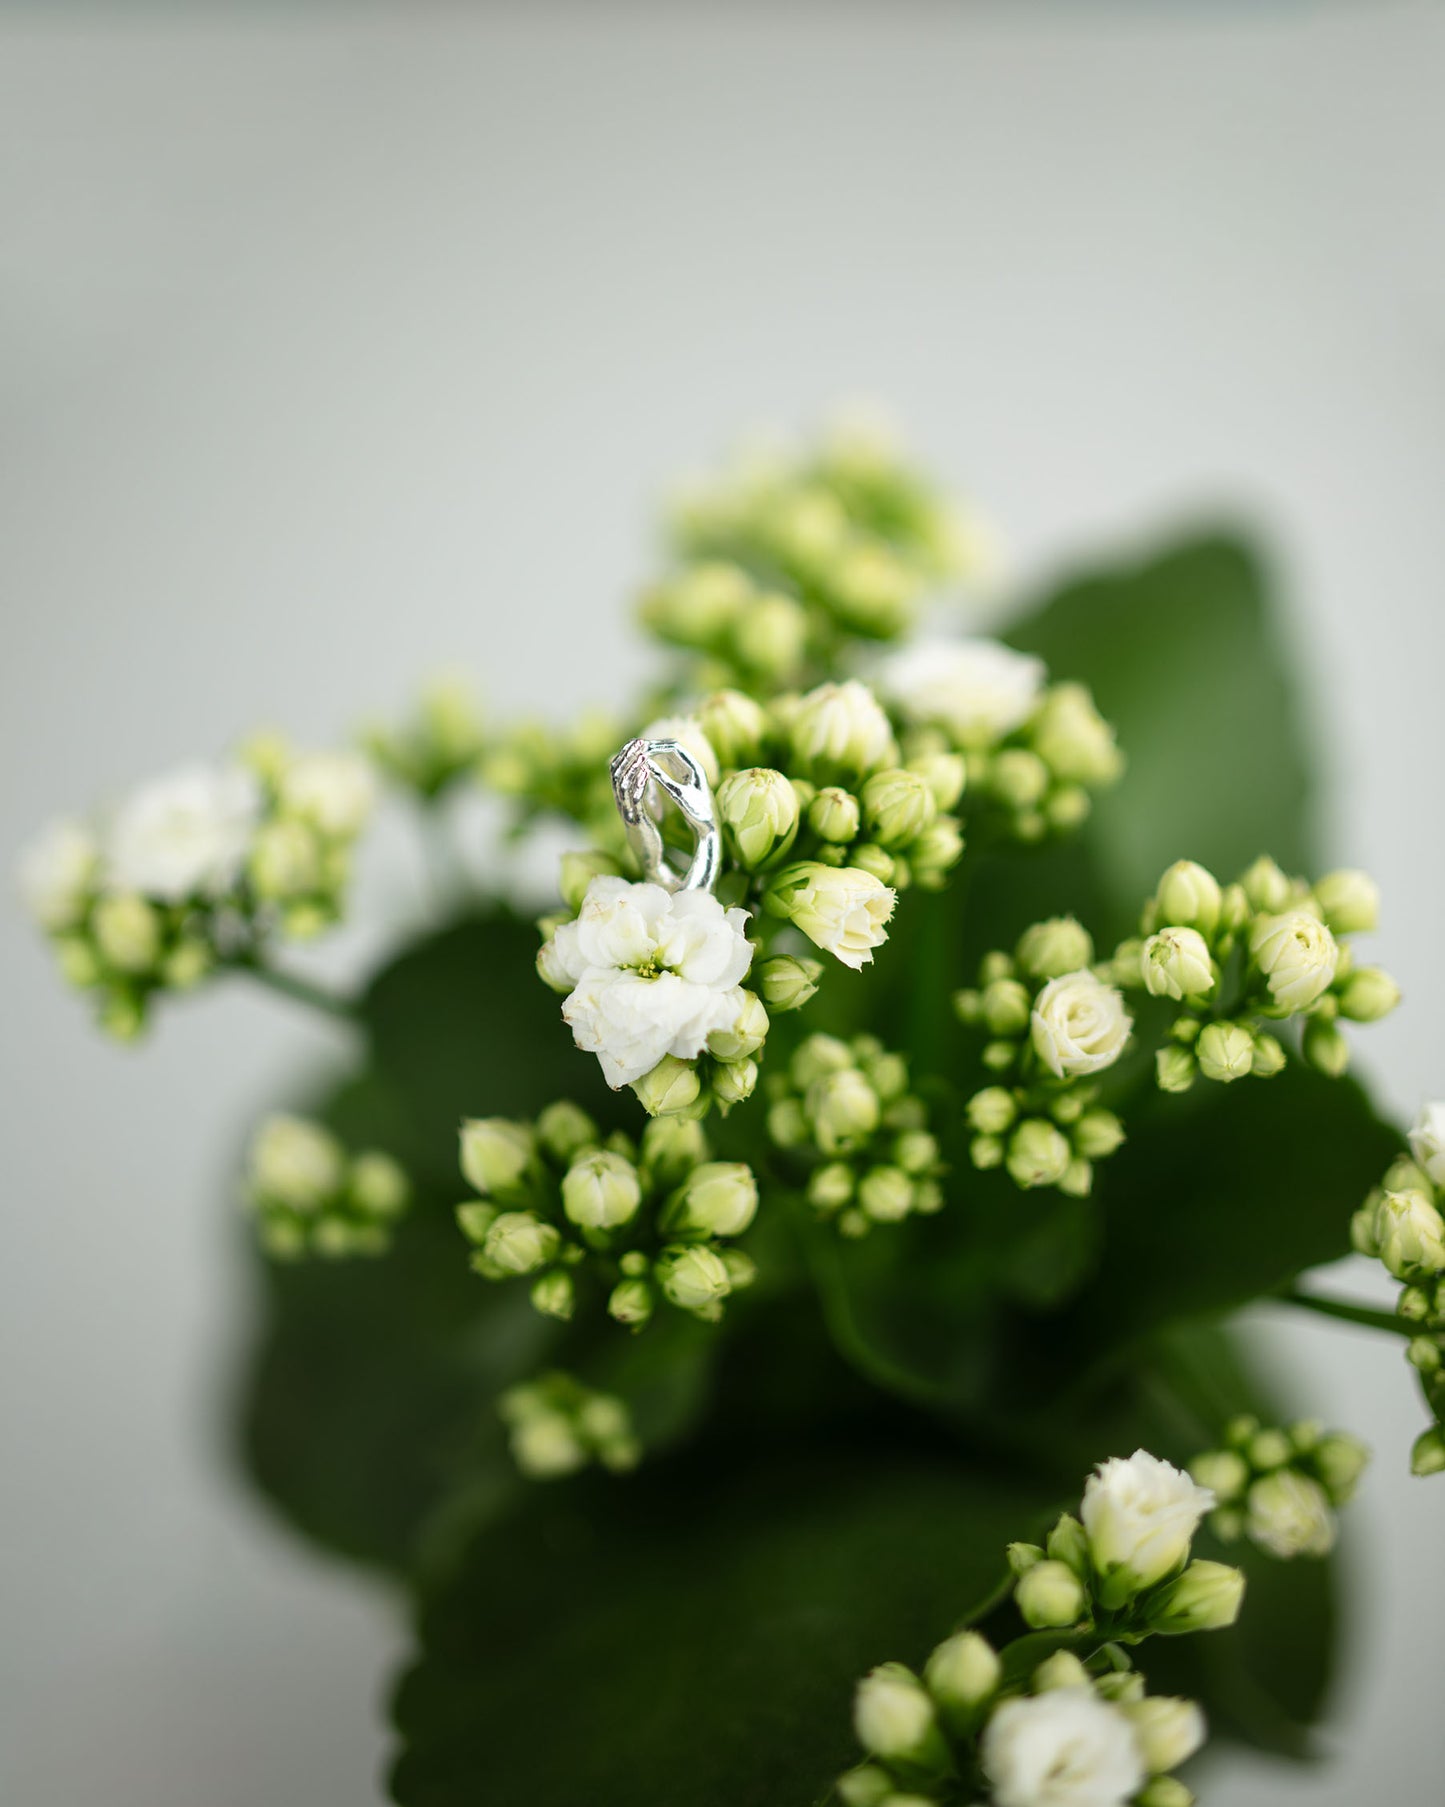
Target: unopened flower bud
{"points": [[841, 731], [499, 1157], [720, 1198], [1175, 1069], [963, 1674], [758, 808], [734, 1082], [554, 1295], [1050, 1594], [295, 1163], [1206, 1597], [1225, 1052], [1168, 1731], [830, 1187], [1189, 897], [1021, 1557], [916, 1151], [1006, 1006], [992, 1110], [671, 1147], [600, 1191], [943, 773], [578, 871], [519, 1243], [742, 1270], [285, 860], [127, 931], [1297, 955], [866, 1786], [1339, 1460], [748, 1032], [1410, 1235], [735, 726], [1368, 994], [1073, 739], [1018, 777], [1038, 1154], [1097, 1134], [894, 1717], [1176, 964], [564, 1129], [1049, 950], [885, 1194], [695, 1279], [378, 1185], [877, 863], [1325, 1048], [1164, 1791], [787, 982], [1269, 1056], [630, 1303], [835, 815], [818, 1056], [1061, 1670], [186, 964], [671, 1088], [1350, 901], [936, 851], [771, 634], [1288, 1514], [843, 1109], [1265, 886], [1223, 1471], [1427, 1456], [897, 806]]}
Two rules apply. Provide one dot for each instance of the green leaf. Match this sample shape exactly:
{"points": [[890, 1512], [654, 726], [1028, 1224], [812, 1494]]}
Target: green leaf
{"points": [[690, 1636]]}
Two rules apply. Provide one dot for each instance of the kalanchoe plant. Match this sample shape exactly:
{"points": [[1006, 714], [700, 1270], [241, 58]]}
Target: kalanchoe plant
{"points": [[888, 1002]]}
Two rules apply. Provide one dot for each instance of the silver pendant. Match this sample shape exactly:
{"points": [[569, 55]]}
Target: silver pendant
{"points": [[646, 775]]}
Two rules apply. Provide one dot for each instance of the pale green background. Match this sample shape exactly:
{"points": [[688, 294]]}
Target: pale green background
{"points": [[339, 344]]}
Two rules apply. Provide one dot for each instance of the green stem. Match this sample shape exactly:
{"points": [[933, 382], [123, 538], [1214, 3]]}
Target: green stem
{"points": [[1347, 1311], [302, 991]]}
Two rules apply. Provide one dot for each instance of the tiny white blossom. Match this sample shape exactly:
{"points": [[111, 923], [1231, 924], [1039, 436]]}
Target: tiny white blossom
{"points": [[333, 791], [1065, 1748], [651, 973], [184, 835], [55, 873], [1427, 1141], [979, 690], [1079, 1025], [1140, 1515]]}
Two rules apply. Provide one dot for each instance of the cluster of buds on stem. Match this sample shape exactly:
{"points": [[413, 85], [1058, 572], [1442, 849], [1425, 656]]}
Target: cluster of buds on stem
{"points": [[1402, 1225], [556, 1425], [1281, 1486], [546, 771], [567, 1209], [998, 1724], [1052, 1024], [844, 1111], [197, 872], [1237, 960], [310, 1197], [437, 745]]}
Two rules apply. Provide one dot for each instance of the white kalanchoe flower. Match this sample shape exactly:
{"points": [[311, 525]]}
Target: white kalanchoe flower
{"points": [[1176, 964], [689, 734], [1297, 955], [1079, 1025], [978, 690], [841, 909], [184, 835], [55, 874], [650, 973], [1065, 1748], [335, 792], [1140, 1515], [1427, 1141], [1288, 1514], [296, 1163]]}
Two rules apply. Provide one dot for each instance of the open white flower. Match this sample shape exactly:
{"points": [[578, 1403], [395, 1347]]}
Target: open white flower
{"points": [[1079, 1025], [1140, 1515], [332, 791], [1297, 955], [841, 909], [1288, 1514], [184, 835], [651, 973], [1065, 1748], [1427, 1141], [978, 690], [55, 874]]}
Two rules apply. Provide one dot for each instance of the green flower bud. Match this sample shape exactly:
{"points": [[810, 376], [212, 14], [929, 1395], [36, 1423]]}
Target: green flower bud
{"points": [[865, 1786], [285, 861], [1168, 1732], [992, 1110], [378, 1185], [963, 1675], [1424, 1353], [499, 1157], [1325, 1048], [1164, 1791], [771, 635], [127, 931], [885, 1194], [1206, 1597], [876, 862], [1038, 1154], [843, 1110], [295, 1163], [1368, 994], [1078, 1179], [1097, 1134], [831, 1187], [943, 773], [897, 805], [720, 1198], [519, 1243], [600, 1191], [1223, 1471], [1427, 1455], [697, 607], [1350, 901], [916, 1151], [840, 732], [1269, 1449], [1288, 1514], [1068, 807], [694, 1279], [671, 1147], [758, 809], [1339, 1460], [1265, 886], [1061, 1670], [630, 1303], [787, 1126], [1297, 955], [894, 1718], [545, 1446], [1269, 1056], [1050, 1594], [747, 1034], [835, 815], [1068, 1543], [787, 982], [564, 1129], [1073, 739], [742, 1270], [1176, 964], [1225, 1052], [1021, 1557], [818, 1056], [475, 1218], [734, 1082], [554, 1295], [735, 726], [577, 871], [1410, 1235], [1019, 778], [1049, 950], [986, 1152], [1006, 1007], [936, 852], [671, 1089], [1175, 1069], [1189, 897]]}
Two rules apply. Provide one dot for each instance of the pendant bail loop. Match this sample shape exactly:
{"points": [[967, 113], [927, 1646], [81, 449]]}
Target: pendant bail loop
{"points": [[646, 775]]}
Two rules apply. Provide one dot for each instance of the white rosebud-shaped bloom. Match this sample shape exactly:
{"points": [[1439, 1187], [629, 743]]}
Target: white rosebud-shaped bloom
{"points": [[689, 733], [1176, 964], [184, 835], [1288, 1514], [1140, 1515], [296, 1163], [1410, 1234], [1427, 1141], [841, 909], [1066, 1748], [978, 690], [335, 792], [842, 729], [1079, 1025], [55, 874], [1297, 955], [651, 973], [1169, 1731]]}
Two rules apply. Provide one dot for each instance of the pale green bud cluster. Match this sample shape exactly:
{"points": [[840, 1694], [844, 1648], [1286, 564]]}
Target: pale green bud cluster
{"points": [[556, 1426], [549, 771], [755, 633], [844, 1111], [310, 1197], [436, 745], [1050, 1023], [1281, 1487], [1238, 959], [584, 1217]]}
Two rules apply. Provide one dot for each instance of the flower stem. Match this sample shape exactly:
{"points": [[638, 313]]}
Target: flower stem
{"points": [[302, 991], [1347, 1310]]}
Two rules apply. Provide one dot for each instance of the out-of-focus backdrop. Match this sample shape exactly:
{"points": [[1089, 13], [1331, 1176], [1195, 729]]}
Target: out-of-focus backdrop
{"points": [[337, 345]]}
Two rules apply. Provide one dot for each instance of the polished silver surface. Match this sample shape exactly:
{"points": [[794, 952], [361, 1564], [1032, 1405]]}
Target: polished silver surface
{"points": [[647, 774]]}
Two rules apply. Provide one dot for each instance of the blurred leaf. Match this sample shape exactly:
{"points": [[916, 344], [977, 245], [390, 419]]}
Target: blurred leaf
{"points": [[690, 1636]]}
